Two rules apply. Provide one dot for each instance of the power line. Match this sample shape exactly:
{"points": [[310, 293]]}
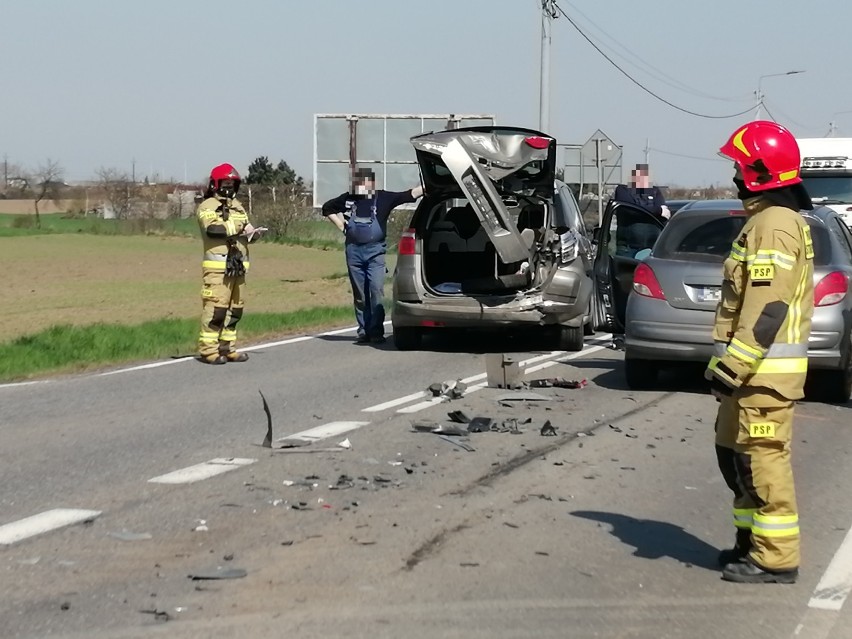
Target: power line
{"points": [[674, 82], [789, 119], [639, 84]]}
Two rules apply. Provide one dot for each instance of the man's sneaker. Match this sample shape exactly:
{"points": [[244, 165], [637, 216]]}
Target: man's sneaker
{"points": [[216, 360], [378, 339], [237, 357], [362, 339], [746, 572]]}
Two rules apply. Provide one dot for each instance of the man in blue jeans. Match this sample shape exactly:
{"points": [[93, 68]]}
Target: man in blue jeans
{"points": [[362, 216]]}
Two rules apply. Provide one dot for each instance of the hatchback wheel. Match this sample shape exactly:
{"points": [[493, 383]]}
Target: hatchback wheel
{"points": [[407, 338], [835, 387], [641, 374], [569, 338]]}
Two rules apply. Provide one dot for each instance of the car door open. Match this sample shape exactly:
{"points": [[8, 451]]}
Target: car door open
{"points": [[626, 236]]}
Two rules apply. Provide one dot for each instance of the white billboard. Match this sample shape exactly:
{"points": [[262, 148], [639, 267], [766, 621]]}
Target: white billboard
{"points": [[379, 141]]}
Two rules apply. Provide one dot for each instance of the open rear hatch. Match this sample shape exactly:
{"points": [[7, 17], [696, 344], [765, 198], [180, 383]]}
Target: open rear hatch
{"points": [[486, 165]]}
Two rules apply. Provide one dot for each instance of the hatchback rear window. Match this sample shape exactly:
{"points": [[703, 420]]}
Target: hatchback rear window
{"points": [[708, 238]]}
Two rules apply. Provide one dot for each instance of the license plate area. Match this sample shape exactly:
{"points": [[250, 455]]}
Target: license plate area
{"points": [[708, 293]]}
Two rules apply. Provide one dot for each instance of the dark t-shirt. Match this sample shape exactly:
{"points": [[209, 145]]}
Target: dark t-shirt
{"points": [[650, 199], [361, 207]]}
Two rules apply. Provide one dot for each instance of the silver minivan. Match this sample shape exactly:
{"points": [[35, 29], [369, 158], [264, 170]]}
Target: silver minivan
{"points": [[495, 242]]}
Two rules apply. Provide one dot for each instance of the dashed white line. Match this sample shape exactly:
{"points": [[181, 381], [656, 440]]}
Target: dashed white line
{"points": [[208, 469], [325, 431], [414, 408], [42, 523], [591, 347], [836, 583], [394, 402]]}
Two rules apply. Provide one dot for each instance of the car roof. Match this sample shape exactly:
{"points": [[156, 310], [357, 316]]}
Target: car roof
{"points": [[819, 212]]}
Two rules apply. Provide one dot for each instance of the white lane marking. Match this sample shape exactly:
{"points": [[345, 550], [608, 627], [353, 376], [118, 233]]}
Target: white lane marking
{"points": [[43, 522], [414, 408], [208, 469], [325, 431], [12, 384], [590, 347], [836, 582], [395, 402], [585, 351], [169, 362]]}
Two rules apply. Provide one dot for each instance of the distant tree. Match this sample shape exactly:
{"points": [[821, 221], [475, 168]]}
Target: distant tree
{"points": [[44, 183], [262, 172], [119, 191]]}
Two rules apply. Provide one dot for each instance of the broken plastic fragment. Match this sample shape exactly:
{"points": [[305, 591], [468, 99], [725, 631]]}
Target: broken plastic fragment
{"points": [[219, 572], [548, 430], [345, 444]]}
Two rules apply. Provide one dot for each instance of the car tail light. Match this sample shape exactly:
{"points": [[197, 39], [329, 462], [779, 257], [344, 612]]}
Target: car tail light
{"points": [[645, 283], [831, 289], [407, 242], [537, 142], [431, 323]]}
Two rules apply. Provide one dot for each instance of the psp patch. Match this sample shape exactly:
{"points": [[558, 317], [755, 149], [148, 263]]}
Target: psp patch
{"points": [[761, 272], [763, 430]]}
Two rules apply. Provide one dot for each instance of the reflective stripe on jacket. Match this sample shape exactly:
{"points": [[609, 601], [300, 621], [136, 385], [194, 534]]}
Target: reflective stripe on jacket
{"points": [[763, 320]]}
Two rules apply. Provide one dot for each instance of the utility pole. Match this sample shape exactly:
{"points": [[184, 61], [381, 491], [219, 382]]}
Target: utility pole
{"points": [[548, 14], [647, 151], [5, 171]]}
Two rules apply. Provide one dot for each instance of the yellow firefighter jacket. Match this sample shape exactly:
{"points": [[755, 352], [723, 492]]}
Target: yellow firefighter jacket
{"points": [[221, 222], [764, 317]]}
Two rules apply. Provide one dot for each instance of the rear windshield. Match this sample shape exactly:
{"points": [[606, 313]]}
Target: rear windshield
{"points": [[708, 238]]}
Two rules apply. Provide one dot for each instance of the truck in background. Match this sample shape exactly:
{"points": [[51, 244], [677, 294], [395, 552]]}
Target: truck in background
{"points": [[827, 173]]}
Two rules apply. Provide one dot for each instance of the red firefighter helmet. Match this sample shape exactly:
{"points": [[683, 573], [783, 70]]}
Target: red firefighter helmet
{"points": [[224, 172], [767, 154]]}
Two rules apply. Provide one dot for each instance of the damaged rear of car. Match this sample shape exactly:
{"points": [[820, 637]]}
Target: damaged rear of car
{"points": [[495, 242]]}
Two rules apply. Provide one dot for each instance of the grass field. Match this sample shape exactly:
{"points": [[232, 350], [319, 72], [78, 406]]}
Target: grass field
{"points": [[75, 299]]}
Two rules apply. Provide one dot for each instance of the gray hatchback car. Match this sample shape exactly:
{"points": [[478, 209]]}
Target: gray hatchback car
{"points": [[664, 299], [495, 242]]}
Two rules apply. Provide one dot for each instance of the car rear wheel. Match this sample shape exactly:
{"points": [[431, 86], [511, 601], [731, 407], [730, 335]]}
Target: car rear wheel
{"points": [[641, 374], [835, 387], [407, 338], [569, 338]]}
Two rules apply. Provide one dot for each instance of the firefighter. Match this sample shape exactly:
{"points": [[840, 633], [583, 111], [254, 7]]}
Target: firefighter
{"points": [[226, 232], [761, 332]]}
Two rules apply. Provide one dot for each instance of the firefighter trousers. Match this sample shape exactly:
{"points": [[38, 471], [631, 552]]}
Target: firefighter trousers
{"points": [[221, 311], [754, 428]]}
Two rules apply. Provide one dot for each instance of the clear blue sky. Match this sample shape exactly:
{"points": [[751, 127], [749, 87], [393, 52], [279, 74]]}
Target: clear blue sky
{"points": [[95, 83]]}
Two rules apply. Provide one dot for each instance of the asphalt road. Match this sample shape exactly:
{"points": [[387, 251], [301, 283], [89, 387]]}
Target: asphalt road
{"points": [[610, 528]]}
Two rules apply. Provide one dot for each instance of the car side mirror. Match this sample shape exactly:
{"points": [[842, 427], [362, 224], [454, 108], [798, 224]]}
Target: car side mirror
{"points": [[596, 234]]}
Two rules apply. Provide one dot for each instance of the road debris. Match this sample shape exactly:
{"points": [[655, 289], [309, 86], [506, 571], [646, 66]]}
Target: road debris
{"points": [[480, 425], [159, 615], [548, 430], [458, 442], [202, 526], [557, 382], [267, 442], [345, 444], [458, 417], [219, 572], [523, 397], [448, 390]]}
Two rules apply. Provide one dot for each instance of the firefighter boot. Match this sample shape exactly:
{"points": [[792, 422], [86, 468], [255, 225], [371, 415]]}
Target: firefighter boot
{"points": [[237, 357], [214, 359], [747, 572], [740, 550]]}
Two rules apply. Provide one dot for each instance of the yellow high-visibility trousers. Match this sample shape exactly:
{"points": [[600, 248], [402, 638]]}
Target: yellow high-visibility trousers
{"points": [[754, 429], [221, 311]]}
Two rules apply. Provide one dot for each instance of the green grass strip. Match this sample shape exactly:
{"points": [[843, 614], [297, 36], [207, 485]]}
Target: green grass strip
{"points": [[71, 348]]}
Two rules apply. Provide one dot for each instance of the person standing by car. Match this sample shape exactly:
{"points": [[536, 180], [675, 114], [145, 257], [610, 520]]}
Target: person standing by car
{"points": [[761, 330], [635, 232], [362, 216], [226, 232]]}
